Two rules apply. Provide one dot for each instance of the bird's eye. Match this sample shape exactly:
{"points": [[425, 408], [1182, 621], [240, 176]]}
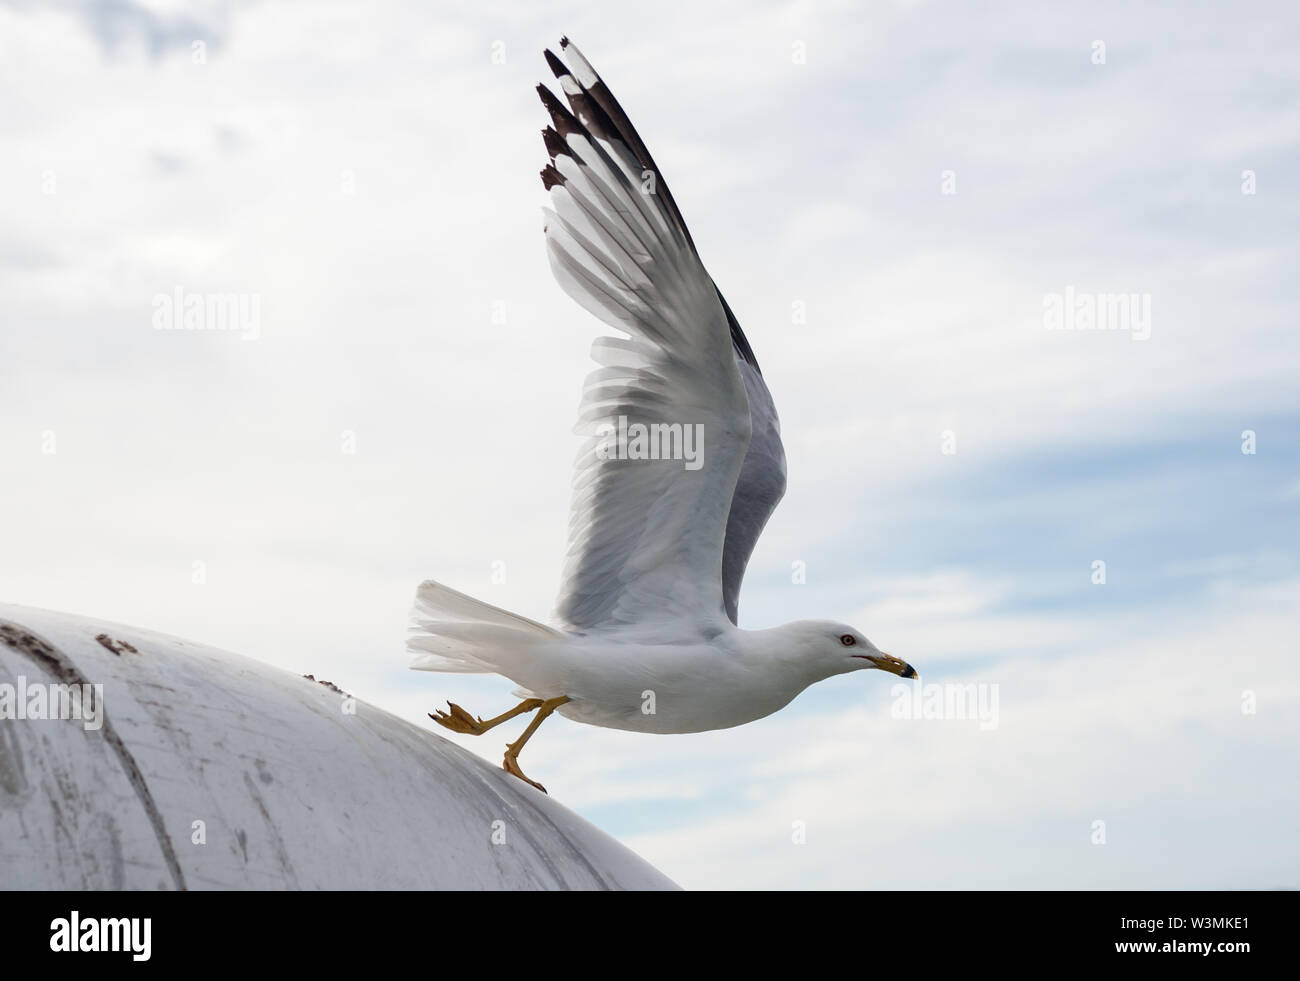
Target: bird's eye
{"points": [[848, 640]]}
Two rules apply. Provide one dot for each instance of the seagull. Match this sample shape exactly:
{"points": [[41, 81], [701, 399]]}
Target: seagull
{"points": [[681, 466]]}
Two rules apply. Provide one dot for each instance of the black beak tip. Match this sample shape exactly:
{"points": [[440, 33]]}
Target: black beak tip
{"points": [[908, 672]]}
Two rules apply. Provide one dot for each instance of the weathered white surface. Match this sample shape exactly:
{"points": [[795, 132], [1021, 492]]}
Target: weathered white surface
{"points": [[294, 793]]}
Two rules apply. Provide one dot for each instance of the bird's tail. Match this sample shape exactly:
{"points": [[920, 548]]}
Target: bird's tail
{"points": [[454, 632]]}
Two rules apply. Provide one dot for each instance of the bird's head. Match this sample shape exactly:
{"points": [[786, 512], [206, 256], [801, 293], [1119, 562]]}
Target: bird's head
{"points": [[837, 648]]}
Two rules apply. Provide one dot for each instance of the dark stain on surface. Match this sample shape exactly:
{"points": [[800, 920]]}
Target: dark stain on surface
{"points": [[24, 642], [328, 684], [101, 848], [55, 663], [116, 646], [575, 854], [13, 781], [277, 842]]}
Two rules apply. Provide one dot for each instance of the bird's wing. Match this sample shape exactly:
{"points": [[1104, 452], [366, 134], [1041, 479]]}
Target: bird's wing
{"points": [[646, 536], [759, 489]]}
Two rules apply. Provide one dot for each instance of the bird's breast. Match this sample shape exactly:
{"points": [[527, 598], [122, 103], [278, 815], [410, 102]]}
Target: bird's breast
{"points": [[676, 689]]}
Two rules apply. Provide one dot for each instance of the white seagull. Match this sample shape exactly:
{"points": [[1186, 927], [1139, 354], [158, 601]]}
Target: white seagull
{"points": [[681, 467]]}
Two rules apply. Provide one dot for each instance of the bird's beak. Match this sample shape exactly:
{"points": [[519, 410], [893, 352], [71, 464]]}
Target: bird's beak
{"points": [[893, 665]]}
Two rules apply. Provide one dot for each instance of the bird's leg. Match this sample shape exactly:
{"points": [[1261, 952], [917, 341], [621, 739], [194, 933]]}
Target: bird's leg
{"points": [[511, 762], [458, 720]]}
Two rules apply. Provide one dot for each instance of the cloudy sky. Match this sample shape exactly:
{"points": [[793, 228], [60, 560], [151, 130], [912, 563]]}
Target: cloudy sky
{"points": [[891, 195]]}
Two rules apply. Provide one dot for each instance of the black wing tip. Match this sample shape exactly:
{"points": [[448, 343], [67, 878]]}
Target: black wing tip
{"points": [[552, 104], [555, 145], [564, 121], [564, 40], [558, 68], [551, 177]]}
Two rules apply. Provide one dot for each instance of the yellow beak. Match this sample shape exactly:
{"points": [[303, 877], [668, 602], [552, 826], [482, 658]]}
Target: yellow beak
{"points": [[887, 662]]}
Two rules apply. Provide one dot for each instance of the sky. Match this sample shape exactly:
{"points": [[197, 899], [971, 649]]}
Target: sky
{"points": [[1096, 531]]}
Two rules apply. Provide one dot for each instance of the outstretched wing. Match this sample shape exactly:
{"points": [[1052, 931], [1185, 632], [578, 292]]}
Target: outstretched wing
{"points": [[647, 536]]}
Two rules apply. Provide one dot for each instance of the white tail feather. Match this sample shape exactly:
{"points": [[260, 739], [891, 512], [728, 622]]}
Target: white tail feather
{"points": [[457, 633]]}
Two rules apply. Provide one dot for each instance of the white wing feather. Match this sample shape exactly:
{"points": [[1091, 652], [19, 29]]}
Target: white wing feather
{"points": [[645, 536]]}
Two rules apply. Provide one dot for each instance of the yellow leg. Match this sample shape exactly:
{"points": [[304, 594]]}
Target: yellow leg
{"points": [[511, 762], [458, 720]]}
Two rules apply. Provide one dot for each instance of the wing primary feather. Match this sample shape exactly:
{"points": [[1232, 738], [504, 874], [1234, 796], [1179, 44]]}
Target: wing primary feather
{"points": [[551, 177], [597, 113]]}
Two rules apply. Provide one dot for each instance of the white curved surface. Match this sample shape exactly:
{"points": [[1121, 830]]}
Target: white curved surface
{"points": [[294, 793]]}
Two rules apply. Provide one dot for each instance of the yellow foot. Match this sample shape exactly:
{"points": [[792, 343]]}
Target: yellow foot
{"points": [[458, 720], [511, 765]]}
